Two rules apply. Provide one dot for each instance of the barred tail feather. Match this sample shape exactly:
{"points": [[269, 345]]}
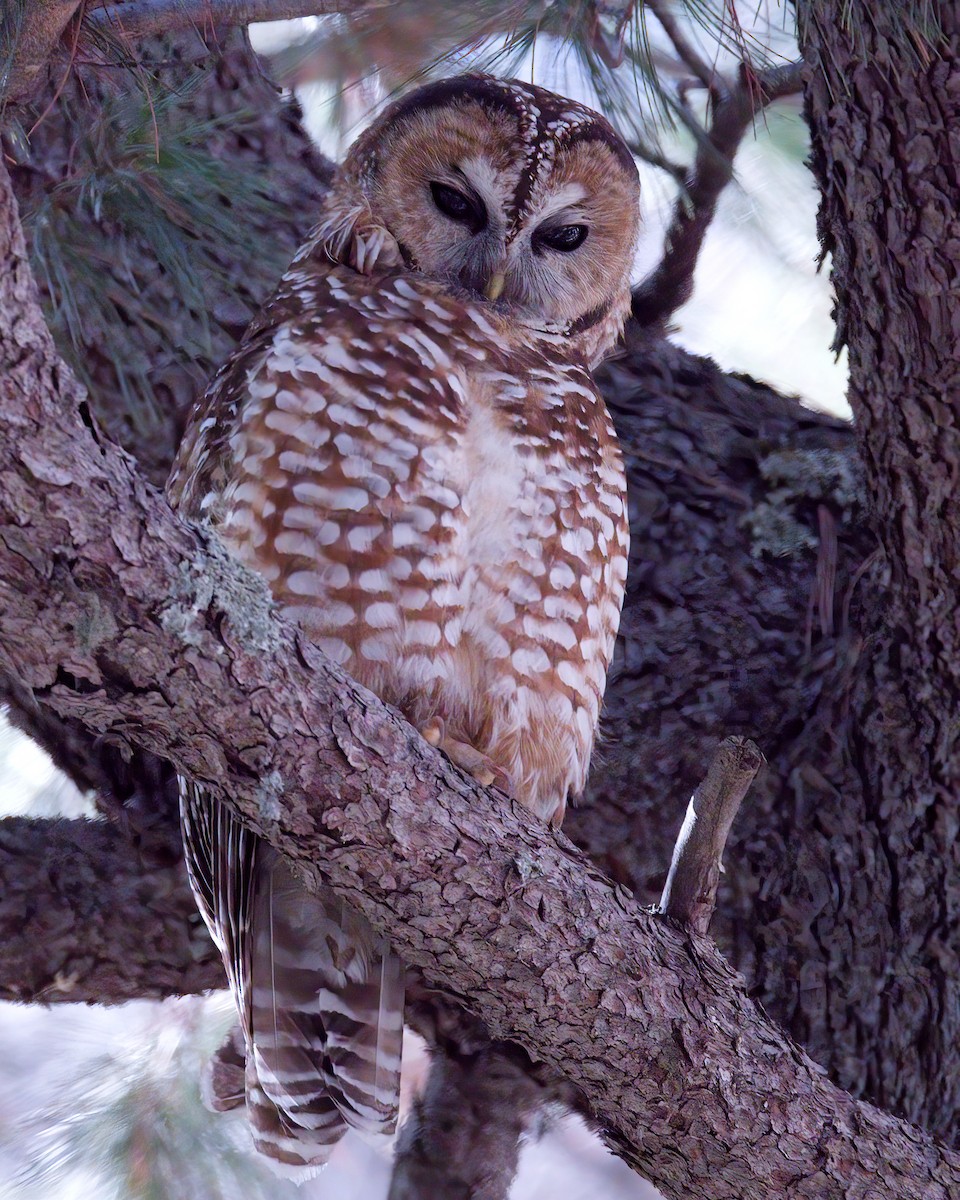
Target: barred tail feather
{"points": [[223, 1082], [320, 996], [326, 993], [364, 1024], [299, 1151]]}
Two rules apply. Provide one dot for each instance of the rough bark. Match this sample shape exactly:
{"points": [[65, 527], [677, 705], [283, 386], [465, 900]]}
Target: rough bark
{"points": [[884, 111], [120, 616], [703, 447], [31, 36]]}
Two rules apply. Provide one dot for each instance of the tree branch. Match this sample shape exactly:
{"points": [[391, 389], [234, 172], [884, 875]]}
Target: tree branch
{"points": [[86, 917], [144, 18], [35, 34], [464, 1134], [688, 54], [119, 615], [733, 109], [690, 893]]}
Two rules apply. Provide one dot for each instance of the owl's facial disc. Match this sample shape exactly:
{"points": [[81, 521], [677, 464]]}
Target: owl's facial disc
{"points": [[511, 192], [492, 251]]}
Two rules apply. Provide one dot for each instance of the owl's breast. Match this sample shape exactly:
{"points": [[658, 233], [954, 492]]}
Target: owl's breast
{"points": [[538, 564], [445, 518]]}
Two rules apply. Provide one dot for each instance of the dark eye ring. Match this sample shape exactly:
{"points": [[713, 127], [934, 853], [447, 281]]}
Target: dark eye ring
{"points": [[458, 207], [561, 237]]}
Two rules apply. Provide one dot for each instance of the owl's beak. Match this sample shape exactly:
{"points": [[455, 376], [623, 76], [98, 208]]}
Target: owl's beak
{"points": [[494, 287]]}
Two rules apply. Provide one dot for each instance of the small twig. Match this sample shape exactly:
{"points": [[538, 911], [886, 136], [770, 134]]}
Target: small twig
{"points": [[670, 284], [774, 83], [686, 51], [143, 18], [608, 27], [690, 893], [656, 158]]}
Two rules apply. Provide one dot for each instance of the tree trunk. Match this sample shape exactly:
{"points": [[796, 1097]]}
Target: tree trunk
{"points": [[884, 111]]}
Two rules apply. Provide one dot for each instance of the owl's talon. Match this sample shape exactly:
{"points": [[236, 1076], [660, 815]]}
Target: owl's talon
{"points": [[483, 769], [432, 731]]}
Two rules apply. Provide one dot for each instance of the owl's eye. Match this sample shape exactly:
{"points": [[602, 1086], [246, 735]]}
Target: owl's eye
{"points": [[560, 237], [458, 207]]}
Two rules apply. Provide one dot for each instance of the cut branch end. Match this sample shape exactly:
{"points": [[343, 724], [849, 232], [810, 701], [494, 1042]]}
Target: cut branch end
{"points": [[690, 893]]}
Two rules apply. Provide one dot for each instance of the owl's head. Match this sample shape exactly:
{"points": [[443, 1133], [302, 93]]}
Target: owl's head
{"points": [[503, 188]]}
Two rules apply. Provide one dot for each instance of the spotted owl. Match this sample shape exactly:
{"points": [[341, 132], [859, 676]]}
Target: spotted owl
{"points": [[409, 447]]}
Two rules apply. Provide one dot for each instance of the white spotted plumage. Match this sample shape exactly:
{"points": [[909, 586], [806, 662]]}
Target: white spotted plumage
{"points": [[432, 487]]}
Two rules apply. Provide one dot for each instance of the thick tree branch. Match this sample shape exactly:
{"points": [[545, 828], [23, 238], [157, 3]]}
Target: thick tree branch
{"points": [[85, 917], [464, 1134], [608, 21], [139, 626], [733, 108], [31, 41]]}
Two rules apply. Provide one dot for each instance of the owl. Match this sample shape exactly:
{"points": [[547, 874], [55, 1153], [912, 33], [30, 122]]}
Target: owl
{"points": [[409, 447]]}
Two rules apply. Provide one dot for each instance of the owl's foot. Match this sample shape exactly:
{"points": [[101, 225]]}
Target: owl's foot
{"points": [[483, 769]]}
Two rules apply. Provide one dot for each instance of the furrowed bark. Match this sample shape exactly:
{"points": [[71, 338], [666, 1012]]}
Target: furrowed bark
{"points": [[884, 109], [137, 625]]}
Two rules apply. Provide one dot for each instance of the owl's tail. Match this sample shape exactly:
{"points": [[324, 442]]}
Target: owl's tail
{"points": [[320, 996]]}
